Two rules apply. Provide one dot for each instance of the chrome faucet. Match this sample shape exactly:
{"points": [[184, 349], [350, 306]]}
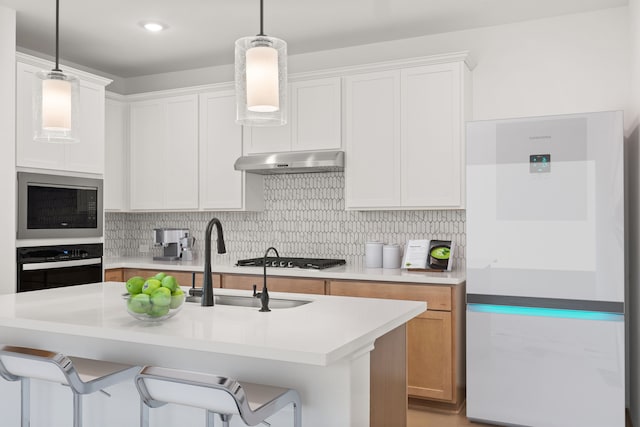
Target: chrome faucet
{"points": [[264, 295], [207, 285]]}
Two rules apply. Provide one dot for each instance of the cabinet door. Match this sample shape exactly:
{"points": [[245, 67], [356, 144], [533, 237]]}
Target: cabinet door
{"points": [[315, 115], [431, 149], [164, 153], [268, 139], [429, 356], [30, 153], [221, 187], [372, 169], [88, 154], [116, 156], [179, 169], [147, 140]]}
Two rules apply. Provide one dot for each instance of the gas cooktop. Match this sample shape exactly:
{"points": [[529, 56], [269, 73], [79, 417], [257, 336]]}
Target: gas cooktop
{"points": [[286, 262]]}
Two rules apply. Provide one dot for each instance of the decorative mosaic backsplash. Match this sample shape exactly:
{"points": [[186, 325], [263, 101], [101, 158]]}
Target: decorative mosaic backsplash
{"points": [[304, 216]]}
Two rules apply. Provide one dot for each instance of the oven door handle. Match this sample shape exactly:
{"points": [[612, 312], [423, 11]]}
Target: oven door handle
{"points": [[60, 264]]}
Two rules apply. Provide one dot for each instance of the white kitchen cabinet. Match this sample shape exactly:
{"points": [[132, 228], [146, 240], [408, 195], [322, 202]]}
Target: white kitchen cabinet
{"points": [[405, 137], [372, 137], [116, 168], [86, 156], [221, 186], [314, 120], [163, 141]]}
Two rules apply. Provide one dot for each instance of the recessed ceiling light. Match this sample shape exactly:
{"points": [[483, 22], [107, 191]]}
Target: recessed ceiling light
{"points": [[153, 27]]}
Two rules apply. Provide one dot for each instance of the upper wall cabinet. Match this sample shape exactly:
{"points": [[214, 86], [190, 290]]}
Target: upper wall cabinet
{"points": [[221, 186], [314, 120], [116, 170], [163, 140], [404, 137], [86, 156]]}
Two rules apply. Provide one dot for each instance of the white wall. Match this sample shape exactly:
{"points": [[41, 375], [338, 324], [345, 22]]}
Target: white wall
{"points": [[632, 153], [571, 63], [7, 155]]}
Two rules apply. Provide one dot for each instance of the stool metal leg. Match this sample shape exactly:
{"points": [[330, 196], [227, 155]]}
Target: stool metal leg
{"points": [[210, 419], [144, 414], [25, 407], [297, 415], [225, 420], [77, 410]]}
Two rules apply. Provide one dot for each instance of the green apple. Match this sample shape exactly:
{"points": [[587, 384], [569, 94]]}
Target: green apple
{"points": [[158, 310], [170, 282], [177, 298], [139, 303], [134, 285], [160, 276], [150, 285], [161, 296]]}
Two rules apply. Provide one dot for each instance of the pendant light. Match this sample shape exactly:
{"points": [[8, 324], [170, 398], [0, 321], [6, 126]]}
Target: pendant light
{"points": [[261, 79], [56, 99]]}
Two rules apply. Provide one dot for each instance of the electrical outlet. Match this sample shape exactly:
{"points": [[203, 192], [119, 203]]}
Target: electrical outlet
{"points": [[143, 249]]}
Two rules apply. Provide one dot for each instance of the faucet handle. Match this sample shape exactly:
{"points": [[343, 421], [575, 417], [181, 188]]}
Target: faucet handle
{"points": [[255, 288]]}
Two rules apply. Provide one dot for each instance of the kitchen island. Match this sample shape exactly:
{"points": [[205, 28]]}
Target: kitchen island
{"points": [[342, 354]]}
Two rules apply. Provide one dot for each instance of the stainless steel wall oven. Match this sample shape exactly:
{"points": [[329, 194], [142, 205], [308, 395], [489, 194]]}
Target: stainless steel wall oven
{"points": [[44, 267]]}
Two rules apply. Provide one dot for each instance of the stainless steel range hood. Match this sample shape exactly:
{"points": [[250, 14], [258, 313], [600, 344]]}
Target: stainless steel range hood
{"points": [[291, 162]]}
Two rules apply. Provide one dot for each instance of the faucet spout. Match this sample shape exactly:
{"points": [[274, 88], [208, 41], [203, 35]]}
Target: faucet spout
{"points": [[264, 295], [207, 285]]}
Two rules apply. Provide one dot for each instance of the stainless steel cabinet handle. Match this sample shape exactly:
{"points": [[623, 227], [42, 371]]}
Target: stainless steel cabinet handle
{"points": [[61, 264]]}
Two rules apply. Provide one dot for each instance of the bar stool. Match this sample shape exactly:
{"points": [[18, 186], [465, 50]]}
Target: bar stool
{"points": [[83, 376], [218, 395]]}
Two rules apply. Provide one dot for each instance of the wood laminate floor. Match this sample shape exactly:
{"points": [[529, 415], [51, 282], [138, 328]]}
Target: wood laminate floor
{"points": [[423, 418]]}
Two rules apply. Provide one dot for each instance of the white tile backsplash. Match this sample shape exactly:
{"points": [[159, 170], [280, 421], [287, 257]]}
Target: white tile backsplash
{"points": [[304, 216]]}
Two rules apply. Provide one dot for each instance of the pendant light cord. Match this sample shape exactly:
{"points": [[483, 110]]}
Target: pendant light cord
{"points": [[57, 34], [261, 19]]}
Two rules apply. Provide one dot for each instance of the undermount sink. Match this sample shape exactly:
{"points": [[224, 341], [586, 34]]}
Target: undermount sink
{"points": [[249, 301]]}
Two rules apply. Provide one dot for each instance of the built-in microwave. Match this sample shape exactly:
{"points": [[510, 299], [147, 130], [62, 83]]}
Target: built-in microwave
{"points": [[57, 206]]}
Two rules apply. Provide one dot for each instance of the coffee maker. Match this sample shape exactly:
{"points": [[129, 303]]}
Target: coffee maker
{"points": [[176, 242]]}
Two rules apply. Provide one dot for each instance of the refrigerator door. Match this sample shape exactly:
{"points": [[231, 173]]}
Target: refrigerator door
{"points": [[535, 370], [545, 207]]}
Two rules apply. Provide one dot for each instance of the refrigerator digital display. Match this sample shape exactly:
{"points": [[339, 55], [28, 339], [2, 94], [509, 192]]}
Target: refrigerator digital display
{"points": [[540, 163]]}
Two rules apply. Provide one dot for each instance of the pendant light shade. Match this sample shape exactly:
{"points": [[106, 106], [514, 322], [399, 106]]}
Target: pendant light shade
{"points": [[56, 96], [261, 80]]}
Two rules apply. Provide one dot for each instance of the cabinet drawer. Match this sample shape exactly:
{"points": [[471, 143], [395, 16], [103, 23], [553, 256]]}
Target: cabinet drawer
{"points": [[438, 297], [114, 275], [184, 278], [275, 284]]}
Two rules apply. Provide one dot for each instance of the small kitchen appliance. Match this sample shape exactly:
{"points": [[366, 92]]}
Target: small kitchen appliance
{"points": [[545, 271], [285, 262], [59, 206], [176, 243]]}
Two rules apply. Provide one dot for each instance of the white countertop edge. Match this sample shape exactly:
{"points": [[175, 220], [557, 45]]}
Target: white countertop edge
{"points": [[138, 336], [335, 273]]}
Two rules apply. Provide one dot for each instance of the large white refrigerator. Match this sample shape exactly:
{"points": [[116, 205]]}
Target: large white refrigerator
{"points": [[545, 271]]}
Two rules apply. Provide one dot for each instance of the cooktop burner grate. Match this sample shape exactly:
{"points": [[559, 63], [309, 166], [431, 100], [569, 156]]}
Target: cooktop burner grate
{"points": [[287, 262]]}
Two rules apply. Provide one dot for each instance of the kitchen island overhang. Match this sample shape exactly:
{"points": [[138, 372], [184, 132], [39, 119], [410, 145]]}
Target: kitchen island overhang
{"points": [[322, 349]]}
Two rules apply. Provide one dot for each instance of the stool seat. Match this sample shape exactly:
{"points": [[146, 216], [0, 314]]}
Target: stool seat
{"points": [[224, 396], [83, 376]]}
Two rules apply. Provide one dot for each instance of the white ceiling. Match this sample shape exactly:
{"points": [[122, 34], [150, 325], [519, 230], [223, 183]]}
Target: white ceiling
{"points": [[106, 35]]}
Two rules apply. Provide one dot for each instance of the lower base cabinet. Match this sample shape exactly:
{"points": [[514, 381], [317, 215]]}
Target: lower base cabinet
{"points": [[435, 338], [435, 345]]}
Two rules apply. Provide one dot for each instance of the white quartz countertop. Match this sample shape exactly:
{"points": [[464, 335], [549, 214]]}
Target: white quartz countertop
{"points": [[320, 333], [343, 272]]}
